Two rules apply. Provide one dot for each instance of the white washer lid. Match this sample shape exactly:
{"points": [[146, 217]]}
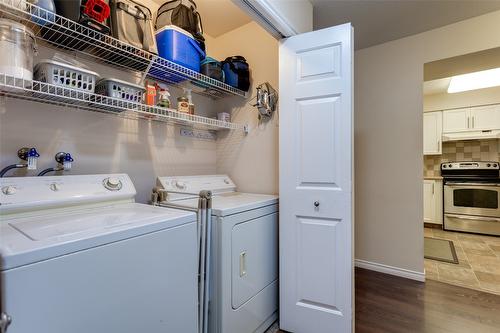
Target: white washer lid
{"points": [[25, 240], [230, 203]]}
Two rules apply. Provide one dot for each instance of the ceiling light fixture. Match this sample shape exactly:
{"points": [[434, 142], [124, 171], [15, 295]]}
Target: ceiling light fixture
{"points": [[477, 80]]}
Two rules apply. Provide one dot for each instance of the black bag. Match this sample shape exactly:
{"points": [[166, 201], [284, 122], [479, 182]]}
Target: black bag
{"points": [[237, 72], [176, 13], [132, 23]]}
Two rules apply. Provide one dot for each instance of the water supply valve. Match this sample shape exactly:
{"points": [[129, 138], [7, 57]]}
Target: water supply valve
{"points": [[65, 160], [30, 155], [32, 159]]}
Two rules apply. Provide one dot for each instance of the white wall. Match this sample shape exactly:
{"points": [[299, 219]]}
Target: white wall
{"points": [[251, 161], [102, 143], [388, 136]]}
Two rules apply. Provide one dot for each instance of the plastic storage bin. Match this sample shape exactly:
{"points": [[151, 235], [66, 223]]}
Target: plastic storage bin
{"points": [[17, 47], [237, 72], [179, 46], [212, 68], [65, 75], [120, 89]]}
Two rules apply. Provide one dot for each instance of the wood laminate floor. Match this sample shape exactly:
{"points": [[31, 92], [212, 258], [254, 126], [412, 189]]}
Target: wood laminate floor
{"points": [[390, 304]]}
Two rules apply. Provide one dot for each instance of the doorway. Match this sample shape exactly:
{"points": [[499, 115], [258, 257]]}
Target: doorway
{"points": [[461, 122]]}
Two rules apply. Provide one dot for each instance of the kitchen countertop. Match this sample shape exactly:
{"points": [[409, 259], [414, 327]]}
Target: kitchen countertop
{"points": [[433, 178]]}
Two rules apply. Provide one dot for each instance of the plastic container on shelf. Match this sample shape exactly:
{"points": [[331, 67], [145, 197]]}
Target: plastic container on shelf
{"points": [[66, 75], [120, 89], [179, 46], [46, 14], [76, 9], [17, 47], [212, 68]]}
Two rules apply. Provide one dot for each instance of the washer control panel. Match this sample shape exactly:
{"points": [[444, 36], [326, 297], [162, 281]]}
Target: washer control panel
{"points": [[29, 193]]}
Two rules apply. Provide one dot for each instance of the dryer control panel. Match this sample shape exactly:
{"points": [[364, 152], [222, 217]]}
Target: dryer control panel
{"points": [[192, 185], [18, 194]]}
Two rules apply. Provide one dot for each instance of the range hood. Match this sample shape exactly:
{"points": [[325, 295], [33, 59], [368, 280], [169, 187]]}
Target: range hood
{"points": [[471, 135]]}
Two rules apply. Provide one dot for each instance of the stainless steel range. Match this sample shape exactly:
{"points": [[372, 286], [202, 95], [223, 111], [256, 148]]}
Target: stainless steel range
{"points": [[472, 197]]}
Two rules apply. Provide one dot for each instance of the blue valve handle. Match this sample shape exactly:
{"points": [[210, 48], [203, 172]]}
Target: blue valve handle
{"points": [[33, 153], [68, 158]]}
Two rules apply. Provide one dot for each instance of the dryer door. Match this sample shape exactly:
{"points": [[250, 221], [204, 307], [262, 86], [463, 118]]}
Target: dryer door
{"points": [[254, 257]]}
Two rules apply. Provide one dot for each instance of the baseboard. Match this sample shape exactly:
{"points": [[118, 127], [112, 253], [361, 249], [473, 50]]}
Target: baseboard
{"points": [[405, 273]]}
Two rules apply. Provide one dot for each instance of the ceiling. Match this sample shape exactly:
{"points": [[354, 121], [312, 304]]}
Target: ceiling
{"points": [[380, 21], [437, 74], [439, 86], [218, 16]]}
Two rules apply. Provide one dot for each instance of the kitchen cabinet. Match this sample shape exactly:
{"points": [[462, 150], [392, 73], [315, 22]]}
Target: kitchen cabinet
{"points": [[433, 201], [477, 118], [433, 131], [485, 117], [456, 120]]}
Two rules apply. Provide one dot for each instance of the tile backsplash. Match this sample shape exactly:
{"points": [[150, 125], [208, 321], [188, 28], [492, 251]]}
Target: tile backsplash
{"points": [[474, 150]]}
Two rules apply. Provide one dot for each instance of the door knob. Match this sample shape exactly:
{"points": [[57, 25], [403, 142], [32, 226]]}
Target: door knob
{"points": [[316, 204]]}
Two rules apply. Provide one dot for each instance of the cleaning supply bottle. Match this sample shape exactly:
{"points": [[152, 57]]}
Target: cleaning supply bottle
{"points": [[189, 97], [150, 93], [163, 97]]}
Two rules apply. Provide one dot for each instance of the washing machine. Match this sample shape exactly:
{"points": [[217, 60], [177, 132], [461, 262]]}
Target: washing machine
{"points": [[79, 255], [242, 266]]}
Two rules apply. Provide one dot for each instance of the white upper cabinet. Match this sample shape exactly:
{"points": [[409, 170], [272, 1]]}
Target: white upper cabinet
{"points": [[433, 131], [485, 117], [477, 118], [456, 120]]}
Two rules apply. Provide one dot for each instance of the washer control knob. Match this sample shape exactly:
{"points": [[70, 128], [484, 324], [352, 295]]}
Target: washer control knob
{"points": [[449, 165], [180, 185], [54, 187], [495, 165], [488, 165], [112, 184], [226, 181], [9, 190]]}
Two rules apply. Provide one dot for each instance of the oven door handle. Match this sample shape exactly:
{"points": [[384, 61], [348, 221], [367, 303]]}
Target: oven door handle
{"points": [[473, 218], [472, 184]]}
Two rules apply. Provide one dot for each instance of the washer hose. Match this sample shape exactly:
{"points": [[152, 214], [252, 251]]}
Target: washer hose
{"points": [[10, 167]]}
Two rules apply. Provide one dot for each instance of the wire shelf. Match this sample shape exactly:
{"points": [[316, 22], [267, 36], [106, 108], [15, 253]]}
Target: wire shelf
{"points": [[58, 31], [51, 94]]}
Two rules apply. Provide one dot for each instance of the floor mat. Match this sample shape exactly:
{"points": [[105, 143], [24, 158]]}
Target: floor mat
{"points": [[440, 249]]}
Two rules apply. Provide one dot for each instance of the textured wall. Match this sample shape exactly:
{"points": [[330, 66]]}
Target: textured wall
{"points": [[102, 143], [251, 160]]}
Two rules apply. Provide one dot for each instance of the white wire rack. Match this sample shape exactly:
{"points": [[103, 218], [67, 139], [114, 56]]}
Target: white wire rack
{"points": [[56, 30], [51, 94]]}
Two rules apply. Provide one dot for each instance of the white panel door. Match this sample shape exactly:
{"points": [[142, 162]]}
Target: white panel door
{"points": [[485, 117], [456, 120], [316, 176], [433, 131]]}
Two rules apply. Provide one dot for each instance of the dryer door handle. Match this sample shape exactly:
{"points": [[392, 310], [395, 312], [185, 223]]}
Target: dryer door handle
{"points": [[243, 264]]}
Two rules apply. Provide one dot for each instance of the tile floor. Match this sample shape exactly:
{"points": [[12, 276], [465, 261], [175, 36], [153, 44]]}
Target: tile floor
{"points": [[479, 261]]}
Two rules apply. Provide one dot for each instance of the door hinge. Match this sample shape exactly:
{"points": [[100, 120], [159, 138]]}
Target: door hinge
{"points": [[5, 321]]}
